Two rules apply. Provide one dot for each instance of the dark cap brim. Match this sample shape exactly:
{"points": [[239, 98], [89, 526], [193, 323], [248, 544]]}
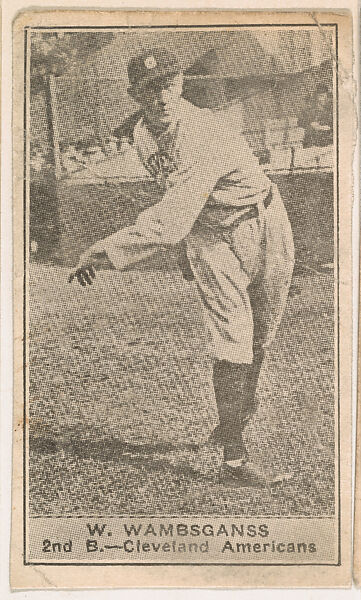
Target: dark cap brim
{"points": [[152, 77]]}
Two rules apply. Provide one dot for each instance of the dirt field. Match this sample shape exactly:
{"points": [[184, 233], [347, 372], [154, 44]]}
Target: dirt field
{"points": [[127, 363]]}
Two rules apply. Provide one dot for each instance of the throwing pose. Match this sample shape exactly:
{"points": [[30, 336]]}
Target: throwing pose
{"points": [[215, 198]]}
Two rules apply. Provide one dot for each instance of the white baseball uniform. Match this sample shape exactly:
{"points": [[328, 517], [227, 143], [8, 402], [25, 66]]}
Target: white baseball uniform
{"points": [[217, 198]]}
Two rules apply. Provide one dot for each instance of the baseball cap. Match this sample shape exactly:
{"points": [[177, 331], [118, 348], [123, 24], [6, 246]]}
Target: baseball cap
{"points": [[156, 63]]}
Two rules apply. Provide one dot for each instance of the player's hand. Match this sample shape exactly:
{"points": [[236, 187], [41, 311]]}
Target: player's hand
{"points": [[84, 275], [89, 263]]}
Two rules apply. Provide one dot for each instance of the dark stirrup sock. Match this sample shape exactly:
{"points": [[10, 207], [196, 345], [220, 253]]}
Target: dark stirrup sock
{"points": [[250, 395], [235, 391], [230, 382]]}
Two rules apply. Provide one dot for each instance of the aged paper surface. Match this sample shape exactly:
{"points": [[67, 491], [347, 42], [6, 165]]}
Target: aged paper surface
{"points": [[357, 521], [357, 527], [182, 209]]}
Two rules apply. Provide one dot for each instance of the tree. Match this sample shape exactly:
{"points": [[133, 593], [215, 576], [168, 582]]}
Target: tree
{"points": [[56, 53], [53, 54]]}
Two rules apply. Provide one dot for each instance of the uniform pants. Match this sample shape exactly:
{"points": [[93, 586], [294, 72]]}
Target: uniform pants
{"points": [[243, 277]]}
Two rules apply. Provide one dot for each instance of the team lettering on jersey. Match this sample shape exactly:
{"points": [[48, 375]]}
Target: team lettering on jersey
{"points": [[160, 165]]}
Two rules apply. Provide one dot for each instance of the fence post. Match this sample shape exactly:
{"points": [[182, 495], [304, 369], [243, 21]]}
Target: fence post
{"points": [[53, 121]]}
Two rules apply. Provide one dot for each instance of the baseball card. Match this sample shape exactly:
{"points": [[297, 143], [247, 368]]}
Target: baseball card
{"points": [[182, 195]]}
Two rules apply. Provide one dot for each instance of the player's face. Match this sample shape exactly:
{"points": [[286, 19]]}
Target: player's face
{"points": [[160, 99]]}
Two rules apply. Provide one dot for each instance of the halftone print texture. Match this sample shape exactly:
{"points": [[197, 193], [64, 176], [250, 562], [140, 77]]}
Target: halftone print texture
{"points": [[126, 414]]}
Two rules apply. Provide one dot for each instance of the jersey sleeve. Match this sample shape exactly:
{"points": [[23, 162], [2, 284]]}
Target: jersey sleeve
{"points": [[170, 220]]}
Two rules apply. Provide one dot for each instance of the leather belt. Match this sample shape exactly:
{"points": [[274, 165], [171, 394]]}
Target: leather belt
{"points": [[251, 211]]}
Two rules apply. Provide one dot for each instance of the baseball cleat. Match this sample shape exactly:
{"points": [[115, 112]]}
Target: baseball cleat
{"points": [[246, 475]]}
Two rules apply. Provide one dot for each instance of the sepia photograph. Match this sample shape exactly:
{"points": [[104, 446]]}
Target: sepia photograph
{"points": [[155, 159], [181, 319]]}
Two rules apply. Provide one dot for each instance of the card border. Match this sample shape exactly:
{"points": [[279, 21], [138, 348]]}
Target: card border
{"points": [[337, 467]]}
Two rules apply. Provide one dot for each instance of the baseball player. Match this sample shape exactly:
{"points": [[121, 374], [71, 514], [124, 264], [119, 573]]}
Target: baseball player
{"points": [[217, 201]]}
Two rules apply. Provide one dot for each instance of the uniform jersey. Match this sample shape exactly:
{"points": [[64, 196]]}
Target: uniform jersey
{"points": [[207, 178], [206, 173]]}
